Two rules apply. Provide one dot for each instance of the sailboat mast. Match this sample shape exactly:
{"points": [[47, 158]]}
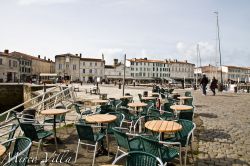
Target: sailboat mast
{"points": [[218, 34]]}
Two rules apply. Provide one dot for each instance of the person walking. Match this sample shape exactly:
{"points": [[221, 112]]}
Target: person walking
{"points": [[204, 82], [213, 85]]}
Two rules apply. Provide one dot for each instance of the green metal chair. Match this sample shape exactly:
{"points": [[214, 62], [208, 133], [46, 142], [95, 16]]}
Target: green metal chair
{"points": [[78, 111], [137, 158], [187, 115], [165, 115], [116, 103], [20, 153], [116, 123], [160, 149], [85, 133], [37, 135], [125, 102], [123, 141], [184, 136], [8, 131], [145, 110], [129, 118], [189, 102]]}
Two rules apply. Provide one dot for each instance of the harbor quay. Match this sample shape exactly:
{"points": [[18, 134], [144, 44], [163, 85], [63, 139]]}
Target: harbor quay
{"points": [[220, 138]]}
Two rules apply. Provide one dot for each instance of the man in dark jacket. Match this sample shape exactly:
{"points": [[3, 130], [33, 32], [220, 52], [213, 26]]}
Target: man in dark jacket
{"points": [[213, 85], [204, 82]]}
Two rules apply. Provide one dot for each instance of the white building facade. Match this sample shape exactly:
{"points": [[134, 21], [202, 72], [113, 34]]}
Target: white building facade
{"points": [[181, 70], [149, 70], [91, 69]]}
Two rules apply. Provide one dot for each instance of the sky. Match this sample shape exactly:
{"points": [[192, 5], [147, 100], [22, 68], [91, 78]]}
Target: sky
{"points": [[156, 29]]}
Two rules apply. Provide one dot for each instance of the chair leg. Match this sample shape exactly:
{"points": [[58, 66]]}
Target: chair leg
{"points": [[185, 159], [191, 148], [96, 145], [77, 149], [117, 151], [107, 139], [180, 156], [38, 148]]}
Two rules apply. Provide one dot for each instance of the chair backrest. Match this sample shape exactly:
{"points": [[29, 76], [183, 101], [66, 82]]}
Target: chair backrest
{"points": [[29, 112], [166, 107], [125, 112], [189, 102], [121, 138], [85, 132], [151, 146], [125, 102], [140, 96], [106, 108], [137, 158], [185, 134], [188, 93], [150, 104], [118, 122], [117, 103], [20, 154], [77, 108], [29, 130], [187, 115]]}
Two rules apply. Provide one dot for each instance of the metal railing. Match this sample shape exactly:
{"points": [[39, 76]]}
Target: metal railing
{"points": [[43, 101]]}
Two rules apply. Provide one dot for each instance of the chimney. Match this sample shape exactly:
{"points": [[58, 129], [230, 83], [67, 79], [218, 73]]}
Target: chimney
{"points": [[115, 62], [186, 61], [39, 56], [80, 55], [6, 51], [45, 58], [145, 58], [48, 59], [76, 54], [102, 56]]}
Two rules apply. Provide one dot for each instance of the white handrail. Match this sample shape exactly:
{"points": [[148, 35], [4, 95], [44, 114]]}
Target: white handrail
{"points": [[20, 105]]}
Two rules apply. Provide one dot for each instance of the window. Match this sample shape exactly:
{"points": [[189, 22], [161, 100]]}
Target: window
{"points": [[67, 66], [14, 63], [132, 74], [90, 64], [95, 63], [60, 66], [9, 63], [1, 61], [90, 71], [74, 67], [83, 63], [132, 63], [83, 70], [136, 63]]}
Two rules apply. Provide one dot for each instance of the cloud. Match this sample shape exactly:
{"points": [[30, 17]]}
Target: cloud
{"points": [[43, 2], [112, 53], [208, 52]]}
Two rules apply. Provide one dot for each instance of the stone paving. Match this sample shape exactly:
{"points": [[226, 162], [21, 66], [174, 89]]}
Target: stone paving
{"points": [[224, 139]]}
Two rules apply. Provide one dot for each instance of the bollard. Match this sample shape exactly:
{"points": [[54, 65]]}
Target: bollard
{"points": [[248, 89]]}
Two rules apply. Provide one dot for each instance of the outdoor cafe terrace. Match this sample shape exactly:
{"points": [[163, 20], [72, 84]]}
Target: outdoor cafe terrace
{"points": [[162, 125]]}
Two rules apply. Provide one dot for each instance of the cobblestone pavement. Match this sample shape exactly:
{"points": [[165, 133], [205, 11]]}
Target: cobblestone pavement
{"points": [[225, 138]]}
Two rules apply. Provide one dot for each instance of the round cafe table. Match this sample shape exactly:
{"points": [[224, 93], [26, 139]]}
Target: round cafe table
{"points": [[149, 98], [101, 118], [181, 107], [99, 101], [2, 150], [184, 98], [163, 126], [136, 105], [54, 112]]}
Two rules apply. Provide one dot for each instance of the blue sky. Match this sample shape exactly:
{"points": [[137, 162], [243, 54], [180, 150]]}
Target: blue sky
{"points": [[157, 29]]}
